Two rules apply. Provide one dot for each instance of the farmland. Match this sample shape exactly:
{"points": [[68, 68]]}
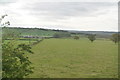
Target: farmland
{"points": [[63, 39], [63, 56], [69, 58]]}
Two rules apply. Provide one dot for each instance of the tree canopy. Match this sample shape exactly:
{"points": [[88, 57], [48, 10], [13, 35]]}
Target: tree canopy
{"points": [[92, 37], [115, 37]]}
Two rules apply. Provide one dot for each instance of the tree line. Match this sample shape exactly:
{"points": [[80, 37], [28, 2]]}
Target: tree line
{"points": [[92, 37]]}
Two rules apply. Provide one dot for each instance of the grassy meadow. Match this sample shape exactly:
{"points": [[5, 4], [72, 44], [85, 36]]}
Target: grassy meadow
{"points": [[69, 58]]}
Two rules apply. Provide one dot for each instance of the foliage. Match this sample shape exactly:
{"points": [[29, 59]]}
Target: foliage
{"points": [[6, 23], [92, 37], [115, 37], [61, 35], [15, 61], [76, 37]]}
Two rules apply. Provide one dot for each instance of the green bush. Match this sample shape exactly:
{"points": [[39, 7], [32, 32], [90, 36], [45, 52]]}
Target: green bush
{"points": [[92, 37], [115, 37], [15, 63], [76, 37]]}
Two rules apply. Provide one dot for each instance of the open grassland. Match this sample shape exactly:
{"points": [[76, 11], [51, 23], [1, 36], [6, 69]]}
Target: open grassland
{"points": [[69, 58]]}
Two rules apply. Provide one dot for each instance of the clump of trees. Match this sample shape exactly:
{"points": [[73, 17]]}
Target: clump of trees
{"points": [[92, 37], [61, 35], [15, 62], [76, 37], [115, 37]]}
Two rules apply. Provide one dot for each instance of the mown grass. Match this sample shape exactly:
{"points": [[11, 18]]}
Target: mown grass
{"points": [[69, 58]]}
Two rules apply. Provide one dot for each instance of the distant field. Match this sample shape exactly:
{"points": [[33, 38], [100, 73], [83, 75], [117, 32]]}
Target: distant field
{"points": [[69, 58], [33, 32], [49, 32]]}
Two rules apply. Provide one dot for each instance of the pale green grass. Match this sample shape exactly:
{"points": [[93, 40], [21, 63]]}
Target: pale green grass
{"points": [[69, 58]]}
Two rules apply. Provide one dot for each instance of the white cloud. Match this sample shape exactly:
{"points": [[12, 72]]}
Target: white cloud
{"points": [[62, 15]]}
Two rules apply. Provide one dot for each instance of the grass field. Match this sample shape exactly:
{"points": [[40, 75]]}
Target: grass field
{"points": [[69, 58]]}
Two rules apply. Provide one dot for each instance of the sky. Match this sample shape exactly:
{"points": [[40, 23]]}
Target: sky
{"points": [[83, 15]]}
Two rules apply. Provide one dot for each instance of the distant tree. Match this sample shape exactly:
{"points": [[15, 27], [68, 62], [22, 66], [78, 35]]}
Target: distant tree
{"points": [[115, 38], [76, 37], [91, 37]]}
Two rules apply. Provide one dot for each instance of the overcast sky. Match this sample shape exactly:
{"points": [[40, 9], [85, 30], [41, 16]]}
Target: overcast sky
{"points": [[89, 15]]}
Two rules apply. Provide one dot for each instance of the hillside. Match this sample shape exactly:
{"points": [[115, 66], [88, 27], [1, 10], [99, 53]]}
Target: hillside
{"points": [[30, 31], [50, 32], [99, 34]]}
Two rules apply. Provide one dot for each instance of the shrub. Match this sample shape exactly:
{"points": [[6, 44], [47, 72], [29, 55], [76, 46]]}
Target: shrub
{"points": [[76, 37], [15, 63], [92, 37]]}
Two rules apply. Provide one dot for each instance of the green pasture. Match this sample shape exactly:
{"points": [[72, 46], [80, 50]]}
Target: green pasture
{"points": [[31, 32], [69, 58]]}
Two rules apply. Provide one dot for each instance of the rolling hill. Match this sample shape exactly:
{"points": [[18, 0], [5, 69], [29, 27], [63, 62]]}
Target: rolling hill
{"points": [[50, 32]]}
